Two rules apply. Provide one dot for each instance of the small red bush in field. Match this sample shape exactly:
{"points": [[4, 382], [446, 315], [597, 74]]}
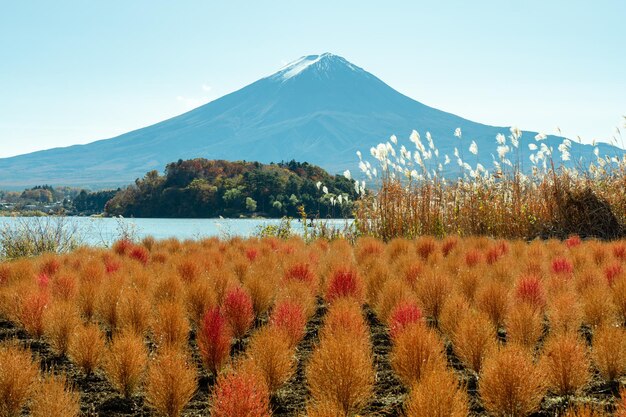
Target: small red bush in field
{"points": [[240, 394], [345, 282], [251, 254], [50, 267], [111, 265], [425, 247], [31, 315], [139, 253], [403, 315], [530, 290], [238, 310], [611, 272], [301, 272], [562, 265], [619, 251], [214, 337], [496, 252], [472, 258], [448, 245], [121, 247], [573, 241], [289, 317], [43, 280]]}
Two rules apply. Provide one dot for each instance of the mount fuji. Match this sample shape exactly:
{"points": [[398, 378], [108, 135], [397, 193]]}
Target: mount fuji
{"points": [[320, 109]]}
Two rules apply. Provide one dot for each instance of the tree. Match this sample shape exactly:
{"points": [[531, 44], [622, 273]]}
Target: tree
{"points": [[250, 205]]}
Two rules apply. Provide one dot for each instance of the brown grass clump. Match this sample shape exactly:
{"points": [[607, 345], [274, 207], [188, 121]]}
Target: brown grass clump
{"points": [[416, 351], [510, 384], [125, 362], [340, 372], [271, 353], [345, 318], [170, 326], [86, 347], [565, 313], [54, 397], [598, 308], [200, 297], [492, 299], [454, 309], [524, 326], [474, 340], [32, 312], [609, 352], [170, 383], [566, 365], [437, 394], [18, 374], [60, 321]]}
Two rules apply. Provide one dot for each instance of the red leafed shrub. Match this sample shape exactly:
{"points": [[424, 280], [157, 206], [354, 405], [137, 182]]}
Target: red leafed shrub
{"points": [[139, 253], [472, 258], [240, 394], [345, 282], [530, 290], [448, 245], [32, 312], [121, 247], [403, 315], [214, 338], [301, 272], [619, 251], [288, 316], [573, 241], [251, 254], [562, 265], [238, 310], [425, 247], [496, 252], [43, 280], [611, 272], [50, 266], [111, 265]]}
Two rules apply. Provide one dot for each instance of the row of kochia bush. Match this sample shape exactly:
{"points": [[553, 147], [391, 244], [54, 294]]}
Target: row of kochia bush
{"points": [[512, 313]]}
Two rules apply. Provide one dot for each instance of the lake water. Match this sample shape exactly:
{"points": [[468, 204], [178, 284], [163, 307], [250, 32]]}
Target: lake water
{"points": [[103, 231]]}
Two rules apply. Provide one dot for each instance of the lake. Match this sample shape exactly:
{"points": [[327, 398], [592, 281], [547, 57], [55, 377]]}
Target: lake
{"points": [[105, 230]]}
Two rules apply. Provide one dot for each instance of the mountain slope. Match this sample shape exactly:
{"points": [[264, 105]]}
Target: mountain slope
{"points": [[320, 109]]}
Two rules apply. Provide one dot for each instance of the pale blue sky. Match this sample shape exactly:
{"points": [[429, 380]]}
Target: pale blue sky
{"points": [[77, 71]]}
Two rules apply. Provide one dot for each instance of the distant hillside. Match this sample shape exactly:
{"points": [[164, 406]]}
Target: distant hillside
{"points": [[320, 109], [202, 188]]}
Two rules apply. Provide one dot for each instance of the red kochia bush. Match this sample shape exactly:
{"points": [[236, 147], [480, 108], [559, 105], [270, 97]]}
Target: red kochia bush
{"points": [[251, 254], [562, 265], [214, 339], [139, 253], [403, 315], [238, 310], [345, 282], [240, 394], [530, 290], [611, 272], [50, 266], [302, 272], [573, 241], [43, 280], [288, 316], [472, 258], [619, 251], [122, 246]]}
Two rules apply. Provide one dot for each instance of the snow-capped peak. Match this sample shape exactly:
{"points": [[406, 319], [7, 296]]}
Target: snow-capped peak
{"points": [[323, 62]]}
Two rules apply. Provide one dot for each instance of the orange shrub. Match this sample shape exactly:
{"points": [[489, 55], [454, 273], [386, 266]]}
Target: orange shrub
{"points": [[340, 372], [238, 310], [598, 308], [402, 316], [432, 290], [618, 296], [214, 340], [171, 382], [125, 362], [289, 318], [32, 313], [60, 321], [86, 347], [609, 352], [565, 313], [437, 394], [325, 409], [262, 290], [510, 384], [270, 352], [529, 289], [54, 397], [345, 318], [64, 287], [492, 299], [240, 394], [200, 297], [170, 326], [18, 374], [416, 351], [469, 282], [88, 298], [566, 364], [108, 301], [134, 312], [454, 309], [474, 340], [302, 272], [524, 326], [393, 292], [298, 293], [375, 276], [585, 411]]}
